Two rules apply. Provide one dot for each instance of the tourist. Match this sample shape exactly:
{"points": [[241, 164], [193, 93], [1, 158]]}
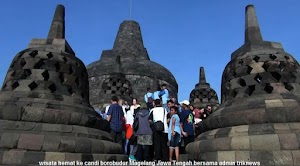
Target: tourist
{"points": [[187, 122], [204, 113], [197, 114], [144, 134], [129, 131], [160, 138], [176, 104], [134, 107], [209, 110], [174, 134], [156, 94], [148, 99], [114, 116], [170, 104], [103, 114], [106, 108], [164, 93]]}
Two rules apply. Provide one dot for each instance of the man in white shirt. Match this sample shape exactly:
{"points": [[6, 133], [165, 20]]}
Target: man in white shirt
{"points": [[160, 139]]}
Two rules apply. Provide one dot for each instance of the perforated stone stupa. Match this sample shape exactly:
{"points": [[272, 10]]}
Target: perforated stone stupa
{"points": [[136, 66], [259, 116], [203, 95], [45, 113]]}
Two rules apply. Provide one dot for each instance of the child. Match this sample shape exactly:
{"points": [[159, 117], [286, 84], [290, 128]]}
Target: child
{"points": [[174, 134]]}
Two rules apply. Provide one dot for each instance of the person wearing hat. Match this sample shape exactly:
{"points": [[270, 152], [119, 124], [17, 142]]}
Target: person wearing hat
{"points": [[187, 121]]}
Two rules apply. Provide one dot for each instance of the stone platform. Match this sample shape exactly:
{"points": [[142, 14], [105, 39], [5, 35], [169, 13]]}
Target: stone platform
{"points": [[269, 143]]}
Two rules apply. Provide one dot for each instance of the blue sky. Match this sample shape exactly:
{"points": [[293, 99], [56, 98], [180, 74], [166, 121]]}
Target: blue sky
{"points": [[178, 34]]}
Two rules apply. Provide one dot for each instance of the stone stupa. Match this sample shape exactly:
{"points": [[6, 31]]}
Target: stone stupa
{"points": [[45, 113], [138, 69], [203, 95], [259, 117]]}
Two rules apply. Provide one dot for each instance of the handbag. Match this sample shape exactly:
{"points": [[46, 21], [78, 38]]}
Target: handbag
{"points": [[159, 125]]}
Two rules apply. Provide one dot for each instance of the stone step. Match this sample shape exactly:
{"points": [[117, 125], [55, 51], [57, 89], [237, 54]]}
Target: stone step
{"points": [[183, 157]]}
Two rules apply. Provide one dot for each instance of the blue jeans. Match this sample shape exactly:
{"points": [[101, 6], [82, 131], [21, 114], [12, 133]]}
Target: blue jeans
{"points": [[125, 147]]}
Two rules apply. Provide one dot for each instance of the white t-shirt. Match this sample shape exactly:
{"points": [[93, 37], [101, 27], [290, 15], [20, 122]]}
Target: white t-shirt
{"points": [[158, 114], [129, 117]]}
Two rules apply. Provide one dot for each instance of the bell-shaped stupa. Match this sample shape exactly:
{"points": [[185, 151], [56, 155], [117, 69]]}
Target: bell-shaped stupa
{"points": [[259, 117], [203, 95], [45, 113], [137, 68]]}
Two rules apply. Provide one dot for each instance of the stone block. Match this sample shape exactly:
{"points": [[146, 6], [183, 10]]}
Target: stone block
{"points": [[227, 156], [13, 157], [258, 103], [240, 143], [83, 121], [205, 146], [222, 144], [75, 118], [212, 156], [9, 140], [51, 143], [212, 133], [99, 157], [223, 132], [281, 128], [55, 156], [31, 141], [290, 103], [264, 157], [49, 116], [255, 116], [63, 117], [288, 141], [51, 127], [255, 129], [283, 158], [1, 157], [267, 142], [83, 145], [296, 157], [33, 157], [294, 127], [242, 156], [112, 148], [67, 144], [88, 157], [38, 127], [276, 115], [11, 112], [273, 103], [241, 129], [74, 157], [293, 114], [98, 146], [80, 129], [66, 128]]}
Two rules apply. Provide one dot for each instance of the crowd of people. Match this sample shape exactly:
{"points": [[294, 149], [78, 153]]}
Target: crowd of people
{"points": [[155, 128]]}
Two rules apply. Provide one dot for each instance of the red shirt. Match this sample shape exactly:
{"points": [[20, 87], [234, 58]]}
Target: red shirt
{"points": [[197, 113]]}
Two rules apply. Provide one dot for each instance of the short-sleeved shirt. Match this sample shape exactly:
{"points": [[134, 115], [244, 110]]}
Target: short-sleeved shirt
{"points": [[147, 96], [156, 95], [116, 112], [176, 128], [164, 96], [187, 120]]}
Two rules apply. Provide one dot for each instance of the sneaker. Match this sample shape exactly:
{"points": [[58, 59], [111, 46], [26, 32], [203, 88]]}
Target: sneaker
{"points": [[132, 158]]}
